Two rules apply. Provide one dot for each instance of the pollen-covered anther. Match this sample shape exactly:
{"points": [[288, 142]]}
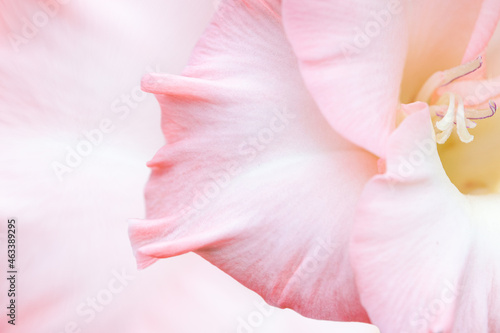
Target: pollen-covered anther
{"points": [[457, 115]]}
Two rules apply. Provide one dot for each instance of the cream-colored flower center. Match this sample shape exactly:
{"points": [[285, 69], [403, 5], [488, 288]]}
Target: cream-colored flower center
{"points": [[472, 162], [450, 107]]}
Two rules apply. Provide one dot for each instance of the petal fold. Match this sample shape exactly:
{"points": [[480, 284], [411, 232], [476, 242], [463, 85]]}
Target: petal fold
{"points": [[252, 177], [352, 56]]}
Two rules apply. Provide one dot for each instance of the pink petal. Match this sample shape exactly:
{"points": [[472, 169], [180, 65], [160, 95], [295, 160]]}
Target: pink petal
{"points": [[478, 307], [72, 234], [493, 52], [253, 178], [423, 253], [481, 38], [439, 32], [486, 24], [354, 78]]}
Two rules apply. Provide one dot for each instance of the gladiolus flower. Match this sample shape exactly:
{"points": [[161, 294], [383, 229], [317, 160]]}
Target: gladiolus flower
{"points": [[302, 160], [75, 130]]}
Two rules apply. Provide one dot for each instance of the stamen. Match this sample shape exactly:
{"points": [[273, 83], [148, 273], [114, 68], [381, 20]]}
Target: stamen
{"points": [[449, 117], [454, 114], [443, 136], [443, 78], [462, 131], [454, 117], [455, 73], [460, 117], [481, 113], [475, 114], [470, 123], [446, 124]]}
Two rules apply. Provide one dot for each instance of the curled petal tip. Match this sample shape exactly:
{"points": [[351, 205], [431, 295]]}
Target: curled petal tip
{"points": [[151, 83], [176, 85]]}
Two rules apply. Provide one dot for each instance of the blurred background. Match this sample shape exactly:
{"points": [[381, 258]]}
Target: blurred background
{"points": [[76, 132]]}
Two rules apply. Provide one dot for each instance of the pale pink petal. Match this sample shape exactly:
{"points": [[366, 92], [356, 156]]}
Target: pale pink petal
{"points": [[253, 178], [486, 24], [72, 242], [493, 54], [424, 254], [478, 307], [439, 32], [352, 56], [481, 39]]}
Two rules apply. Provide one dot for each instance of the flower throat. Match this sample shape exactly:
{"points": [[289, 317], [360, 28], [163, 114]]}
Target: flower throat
{"points": [[450, 110], [470, 161]]}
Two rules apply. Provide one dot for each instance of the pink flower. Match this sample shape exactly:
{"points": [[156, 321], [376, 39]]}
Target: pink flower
{"points": [[301, 159], [75, 130]]}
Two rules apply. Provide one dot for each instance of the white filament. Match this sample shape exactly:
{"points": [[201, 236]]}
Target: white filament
{"points": [[454, 115], [449, 116], [462, 131]]}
